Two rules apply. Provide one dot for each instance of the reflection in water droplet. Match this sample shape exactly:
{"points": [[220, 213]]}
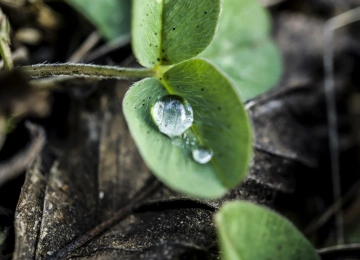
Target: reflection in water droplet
{"points": [[173, 115], [202, 155]]}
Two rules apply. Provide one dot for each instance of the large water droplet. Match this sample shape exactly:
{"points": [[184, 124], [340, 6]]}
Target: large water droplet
{"points": [[202, 155], [173, 115]]}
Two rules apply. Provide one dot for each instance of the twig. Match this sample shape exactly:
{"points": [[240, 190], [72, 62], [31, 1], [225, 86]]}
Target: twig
{"points": [[331, 25], [85, 70], [88, 44], [320, 221], [349, 251], [118, 216], [107, 48], [13, 167]]}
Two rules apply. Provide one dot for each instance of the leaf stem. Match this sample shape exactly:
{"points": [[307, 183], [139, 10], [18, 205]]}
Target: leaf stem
{"points": [[86, 70]]}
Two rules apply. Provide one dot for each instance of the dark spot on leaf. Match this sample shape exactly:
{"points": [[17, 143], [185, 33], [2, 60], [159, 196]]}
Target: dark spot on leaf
{"points": [[202, 89], [163, 50], [158, 59], [219, 108], [160, 78], [155, 33], [150, 44], [156, 46], [174, 29], [205, 12], [197, 26]]}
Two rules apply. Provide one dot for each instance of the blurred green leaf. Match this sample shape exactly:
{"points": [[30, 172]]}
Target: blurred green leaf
{"points": [[111, 17], [220, 124], [247, 231], [171, 31], [242, 48]]}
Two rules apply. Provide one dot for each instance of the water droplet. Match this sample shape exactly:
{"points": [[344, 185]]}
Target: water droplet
{"points": [[173, 115], [202, 155]]}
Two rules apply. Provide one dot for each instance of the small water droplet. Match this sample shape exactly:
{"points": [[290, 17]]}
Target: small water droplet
{"points": [[173, 115], [202, 155]]}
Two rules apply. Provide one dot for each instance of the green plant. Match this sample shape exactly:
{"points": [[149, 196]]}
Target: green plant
{"points": [[247, 231], [187, 117]]}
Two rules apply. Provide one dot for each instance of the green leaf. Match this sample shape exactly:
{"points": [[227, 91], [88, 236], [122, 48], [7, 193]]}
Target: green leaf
{"points": [[170, 31], [242, 48], [220, 124], [111, 17], [247, 231]]}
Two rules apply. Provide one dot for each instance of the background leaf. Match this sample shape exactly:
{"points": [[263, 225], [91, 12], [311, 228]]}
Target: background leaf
{"points": [[168, 32], [220, 123], [247, 231], [111, 17], [242, 47]]}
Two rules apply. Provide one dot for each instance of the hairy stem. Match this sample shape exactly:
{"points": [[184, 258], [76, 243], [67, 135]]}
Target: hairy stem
{"points": [[85, 70]]}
